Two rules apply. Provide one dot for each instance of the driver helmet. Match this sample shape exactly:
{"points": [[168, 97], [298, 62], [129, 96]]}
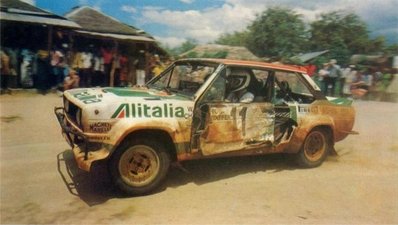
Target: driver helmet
{"points": [[238, 80]]}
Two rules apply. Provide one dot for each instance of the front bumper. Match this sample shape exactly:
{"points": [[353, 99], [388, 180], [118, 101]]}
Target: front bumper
{"points": [[82, 149]]}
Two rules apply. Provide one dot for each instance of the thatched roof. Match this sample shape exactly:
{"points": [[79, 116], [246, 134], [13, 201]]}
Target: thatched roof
{"points": [[232, 52], [19, 5], [92, 20], [18, 11]]}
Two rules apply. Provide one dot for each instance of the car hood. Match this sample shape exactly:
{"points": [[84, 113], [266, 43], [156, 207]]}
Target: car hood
{"points": [[89, 96]]}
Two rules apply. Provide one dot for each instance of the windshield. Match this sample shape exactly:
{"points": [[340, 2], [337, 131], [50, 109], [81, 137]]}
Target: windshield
{"points": [[183, 78]]}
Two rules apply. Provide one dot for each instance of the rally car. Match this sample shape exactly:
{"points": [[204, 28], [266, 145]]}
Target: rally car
{"points": [[187, 113]]}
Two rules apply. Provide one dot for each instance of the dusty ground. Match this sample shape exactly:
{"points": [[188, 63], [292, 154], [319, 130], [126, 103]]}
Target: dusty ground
{"points": [[41, 184]]}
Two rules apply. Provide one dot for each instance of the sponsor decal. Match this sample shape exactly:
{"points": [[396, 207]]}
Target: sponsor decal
{"points": [[87, 98], [100, 127], [139, 110], [221, 115], [303, 109], [307, 109], [103, 138]]}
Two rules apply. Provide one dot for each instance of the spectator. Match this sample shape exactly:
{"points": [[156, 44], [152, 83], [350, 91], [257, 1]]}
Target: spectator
{"points": [[350, 77], [72, 80], [322, 74], [158, 67], [332, 77]]}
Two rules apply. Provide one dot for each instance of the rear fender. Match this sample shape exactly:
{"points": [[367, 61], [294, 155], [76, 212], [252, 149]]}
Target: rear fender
{"points": [[306, 124]]}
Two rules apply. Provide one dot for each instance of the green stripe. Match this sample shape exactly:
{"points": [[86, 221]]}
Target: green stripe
{"points": [[341, 101], [128, 92], [293, 112]]}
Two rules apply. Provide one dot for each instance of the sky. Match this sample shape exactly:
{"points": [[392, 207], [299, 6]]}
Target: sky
{"points": [[172, 22]]}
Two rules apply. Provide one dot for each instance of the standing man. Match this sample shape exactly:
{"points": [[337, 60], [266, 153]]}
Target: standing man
{"points": [[333, 76], [323, 73]]}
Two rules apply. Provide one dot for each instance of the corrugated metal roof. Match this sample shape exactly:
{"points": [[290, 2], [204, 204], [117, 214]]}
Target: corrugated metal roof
{"points": [[117, 36], [308, 56]]}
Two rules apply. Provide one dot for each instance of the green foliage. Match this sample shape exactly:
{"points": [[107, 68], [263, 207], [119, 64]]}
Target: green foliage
{"points": [[343, 34], [170, 51], [277, 32], [280, 33], [218, 55], [184, 47], [392, 49], [192, 55], [187, 45], [234, 39]]}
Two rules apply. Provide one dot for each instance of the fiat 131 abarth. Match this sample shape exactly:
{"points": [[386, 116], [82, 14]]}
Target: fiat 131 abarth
{"points": [[202, 108]]}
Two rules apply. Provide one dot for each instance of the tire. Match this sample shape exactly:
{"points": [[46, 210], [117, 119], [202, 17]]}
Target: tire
{"points": [[314, 149], [139, 166]]}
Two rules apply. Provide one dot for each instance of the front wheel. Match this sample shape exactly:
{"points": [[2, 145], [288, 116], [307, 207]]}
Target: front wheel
{"points": [[138, 167], [314, 149]]}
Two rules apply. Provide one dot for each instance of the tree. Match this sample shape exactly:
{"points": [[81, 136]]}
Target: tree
{"points": [[184, 47], [277, 32], [233, 39], [343, 34], [392, 49], [189, 44]]}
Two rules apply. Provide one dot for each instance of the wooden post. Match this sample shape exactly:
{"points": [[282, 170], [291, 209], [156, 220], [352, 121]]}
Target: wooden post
{"points": [[71, 40], [147, 61], [49, 39], [112, 75]]}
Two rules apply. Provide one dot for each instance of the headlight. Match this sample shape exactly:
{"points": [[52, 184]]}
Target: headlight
{"points": [[79, 117]]}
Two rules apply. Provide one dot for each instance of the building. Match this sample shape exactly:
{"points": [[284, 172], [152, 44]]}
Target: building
{"points": [[43, 46]]}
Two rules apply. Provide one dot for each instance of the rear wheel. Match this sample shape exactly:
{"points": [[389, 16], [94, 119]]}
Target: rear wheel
{"points": [[139, 167], [314, 149]]}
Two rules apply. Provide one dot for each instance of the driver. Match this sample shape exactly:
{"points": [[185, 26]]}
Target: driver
{"points": [[239, 92]]}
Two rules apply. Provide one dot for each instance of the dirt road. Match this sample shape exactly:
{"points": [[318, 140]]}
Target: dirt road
{"points": [[41, 184]]}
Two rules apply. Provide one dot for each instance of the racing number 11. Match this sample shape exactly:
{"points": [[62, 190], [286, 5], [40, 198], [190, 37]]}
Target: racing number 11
{"points": [[242, 114]]}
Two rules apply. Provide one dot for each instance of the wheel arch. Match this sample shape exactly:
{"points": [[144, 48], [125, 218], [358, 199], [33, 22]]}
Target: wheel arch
{"points": [[301, 133], [160, 135]]}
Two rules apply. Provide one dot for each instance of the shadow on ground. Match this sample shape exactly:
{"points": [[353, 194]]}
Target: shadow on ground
{"points": [[95, 187]]}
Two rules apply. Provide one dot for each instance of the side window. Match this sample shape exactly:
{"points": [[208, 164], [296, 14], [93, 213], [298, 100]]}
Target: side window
{"points": [[184, 78], [216, 91], [263, 86], [261, 75], [163, 81], [178, 73], [294, 83]]}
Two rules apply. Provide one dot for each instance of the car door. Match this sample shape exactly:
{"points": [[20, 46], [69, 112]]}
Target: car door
{"points": [[226, 126]]}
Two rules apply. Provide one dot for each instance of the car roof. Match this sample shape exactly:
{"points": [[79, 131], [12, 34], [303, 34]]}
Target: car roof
{"points": [[263, 65]]}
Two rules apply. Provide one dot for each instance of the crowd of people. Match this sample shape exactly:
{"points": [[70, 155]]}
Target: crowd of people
{"points": [[352, 80], [62, 69], [109, 67]]}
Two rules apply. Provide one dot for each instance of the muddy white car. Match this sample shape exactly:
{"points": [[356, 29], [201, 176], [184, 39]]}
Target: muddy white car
{"points": [[186, 113]]}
